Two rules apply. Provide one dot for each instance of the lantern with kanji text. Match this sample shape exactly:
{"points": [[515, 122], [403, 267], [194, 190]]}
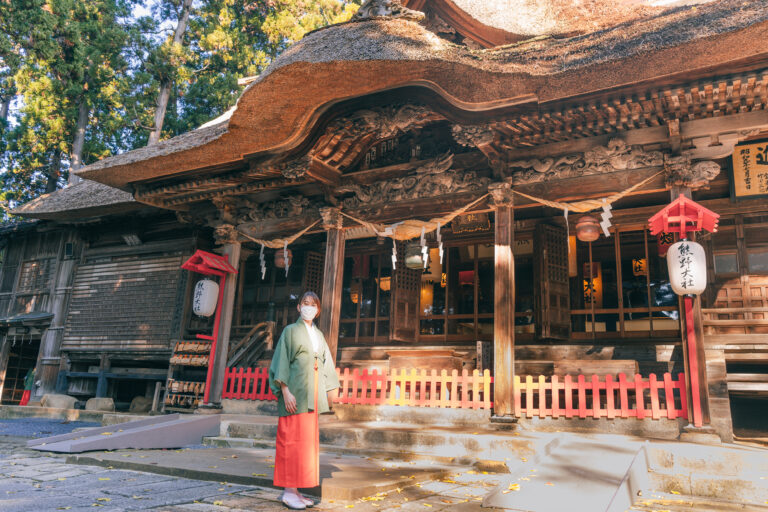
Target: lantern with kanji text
{"points": [[205, 297], [687, 266]]}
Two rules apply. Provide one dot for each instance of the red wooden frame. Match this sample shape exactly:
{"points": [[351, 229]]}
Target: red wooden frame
{"points": [[209, 264]]}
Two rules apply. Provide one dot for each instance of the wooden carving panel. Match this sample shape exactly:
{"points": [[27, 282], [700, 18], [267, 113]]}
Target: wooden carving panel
{"points": [[551, 283], [313, 273], [405, 300]]}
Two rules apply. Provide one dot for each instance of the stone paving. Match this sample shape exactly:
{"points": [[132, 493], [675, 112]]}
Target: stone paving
{"points": [[37, 481]]}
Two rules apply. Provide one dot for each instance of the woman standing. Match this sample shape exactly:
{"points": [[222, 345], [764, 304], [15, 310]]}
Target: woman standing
{"points": [[303, 377]]}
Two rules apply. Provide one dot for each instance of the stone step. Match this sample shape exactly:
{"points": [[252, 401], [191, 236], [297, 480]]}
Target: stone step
{"points": [[480, 465], [458, 445], [343, 477], [724, 472], [677, 503]]}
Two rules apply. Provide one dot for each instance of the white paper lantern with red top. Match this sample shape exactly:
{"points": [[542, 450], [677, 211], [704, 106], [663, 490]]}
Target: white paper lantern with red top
{"points": [[205, 297], [687, 265]]}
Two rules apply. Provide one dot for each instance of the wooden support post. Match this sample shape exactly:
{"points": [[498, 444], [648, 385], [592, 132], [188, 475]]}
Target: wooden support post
{"points": [[503, 302], [333, 274], [232, 250]]}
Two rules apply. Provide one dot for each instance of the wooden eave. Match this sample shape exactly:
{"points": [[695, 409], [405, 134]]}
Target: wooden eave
{"points": [[650, 111]]}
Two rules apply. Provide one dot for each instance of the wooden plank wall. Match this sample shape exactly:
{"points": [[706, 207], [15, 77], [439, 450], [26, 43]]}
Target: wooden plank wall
{"points": [[125, 303]]}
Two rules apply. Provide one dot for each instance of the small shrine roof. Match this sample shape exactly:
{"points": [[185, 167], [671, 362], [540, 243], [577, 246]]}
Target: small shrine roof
{"points": [[84, 199]]}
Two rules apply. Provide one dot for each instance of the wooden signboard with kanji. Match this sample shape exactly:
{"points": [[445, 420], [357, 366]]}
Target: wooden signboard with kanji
{"points": [[750, 170]]}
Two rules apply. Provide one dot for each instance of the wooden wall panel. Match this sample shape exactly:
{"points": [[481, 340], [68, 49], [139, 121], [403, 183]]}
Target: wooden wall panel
{"points": [[123, 304]]}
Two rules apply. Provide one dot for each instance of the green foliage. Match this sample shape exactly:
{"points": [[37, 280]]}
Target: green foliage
{"points": [[57, 54]]}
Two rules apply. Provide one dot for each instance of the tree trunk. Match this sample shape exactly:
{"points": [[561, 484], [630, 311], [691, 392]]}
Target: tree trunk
{"points": [[54, 173], [165, 85], [76, 156], [5, 105]]}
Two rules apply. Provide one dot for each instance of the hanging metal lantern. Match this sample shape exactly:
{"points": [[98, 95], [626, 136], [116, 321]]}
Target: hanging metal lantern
{"points": [[588, 228], [687, 265], [413, 257], [205, 297], [280, 259]]}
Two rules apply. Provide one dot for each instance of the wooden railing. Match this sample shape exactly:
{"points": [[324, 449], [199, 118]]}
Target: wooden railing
{"points": [[421, 388], [407, 387], [601, 398], [542, 397], [247, 384], [250, 347]]}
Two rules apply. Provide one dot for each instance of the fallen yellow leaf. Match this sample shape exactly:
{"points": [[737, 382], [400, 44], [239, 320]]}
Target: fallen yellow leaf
{"points": [[218, 503], [427, 505], [103, 499], [104, 478], [675, 492], [514, 487], [106, 433], [549, 483], [258, 474]]}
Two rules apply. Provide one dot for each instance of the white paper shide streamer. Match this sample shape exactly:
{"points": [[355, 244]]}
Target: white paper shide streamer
{"points": [[606, 216], [424, 250], [394, 254], [439, 242], [287, 261], [262, 262]]}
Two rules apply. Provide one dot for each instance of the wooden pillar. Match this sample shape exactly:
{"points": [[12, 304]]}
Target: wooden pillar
{"points": [[49, 359], [503, 301], [699, 352], [231, 249], [333, 274]]}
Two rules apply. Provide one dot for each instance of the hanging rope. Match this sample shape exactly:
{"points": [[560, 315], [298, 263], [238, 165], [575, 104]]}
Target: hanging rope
{"points": [[588, 204], [280, 243], [411, 228]]}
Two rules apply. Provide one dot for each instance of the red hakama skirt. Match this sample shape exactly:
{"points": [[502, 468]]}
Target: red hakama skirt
{"points": [[25, 397], [297, 453]]}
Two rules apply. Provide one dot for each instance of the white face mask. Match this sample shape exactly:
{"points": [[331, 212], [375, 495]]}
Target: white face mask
{"points": [[308, 313]]}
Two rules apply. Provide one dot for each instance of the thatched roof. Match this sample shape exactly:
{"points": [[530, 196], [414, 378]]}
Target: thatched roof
{"points": [[277, 111], [82, 200], [555, 17]]}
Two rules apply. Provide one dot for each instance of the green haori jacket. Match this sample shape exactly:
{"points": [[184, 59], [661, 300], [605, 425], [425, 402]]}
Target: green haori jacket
{"points": [[294, 363]]}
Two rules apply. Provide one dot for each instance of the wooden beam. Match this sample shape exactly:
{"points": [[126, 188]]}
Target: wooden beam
{"points": [[333, 275], [503, 302], [232, 251]]}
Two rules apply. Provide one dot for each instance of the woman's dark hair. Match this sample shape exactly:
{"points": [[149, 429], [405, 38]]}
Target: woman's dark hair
{"points": [[313, 296]]}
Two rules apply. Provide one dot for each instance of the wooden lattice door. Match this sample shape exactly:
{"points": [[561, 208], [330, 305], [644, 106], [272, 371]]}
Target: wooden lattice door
{"points": [[551, 283], [405, 300], [313, 273]]}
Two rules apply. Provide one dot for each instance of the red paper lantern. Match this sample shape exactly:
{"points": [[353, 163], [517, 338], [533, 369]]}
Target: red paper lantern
{"points": [[663, 241]]}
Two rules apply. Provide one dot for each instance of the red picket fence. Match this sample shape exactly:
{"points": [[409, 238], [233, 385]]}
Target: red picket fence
{"points": [[596, 398], [247, 384], [406, 387], [421, 388], [541, 397]]}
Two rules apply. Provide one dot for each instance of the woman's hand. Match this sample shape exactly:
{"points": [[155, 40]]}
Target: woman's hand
{"points": [[289, 399], [332, 395]]}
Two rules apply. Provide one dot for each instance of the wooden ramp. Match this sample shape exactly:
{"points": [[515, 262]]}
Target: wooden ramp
{"points": [[168, 431]]}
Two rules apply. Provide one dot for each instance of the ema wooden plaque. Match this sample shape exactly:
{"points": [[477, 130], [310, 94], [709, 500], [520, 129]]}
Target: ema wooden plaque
{"points": [[750, 170]]}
